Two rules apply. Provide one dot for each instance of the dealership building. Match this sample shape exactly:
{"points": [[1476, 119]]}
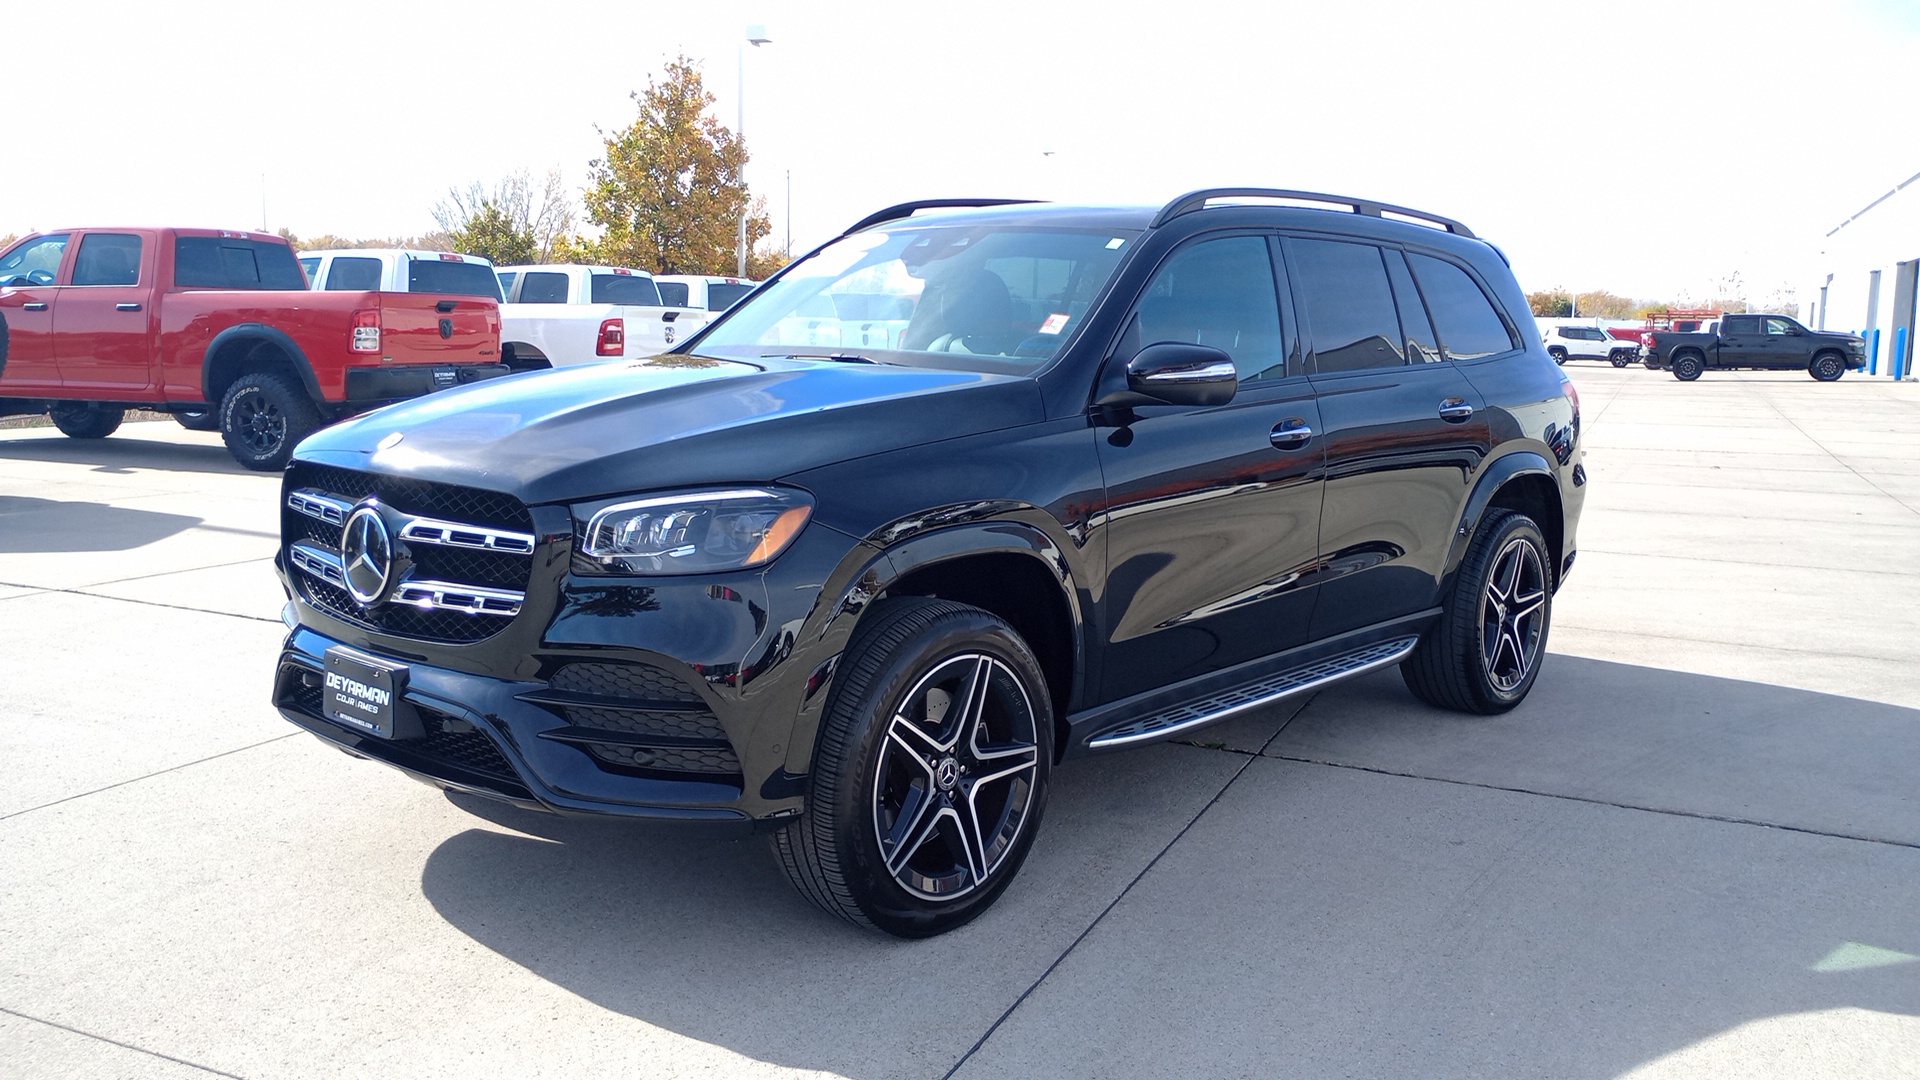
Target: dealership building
{"points": [[1865, 273]]}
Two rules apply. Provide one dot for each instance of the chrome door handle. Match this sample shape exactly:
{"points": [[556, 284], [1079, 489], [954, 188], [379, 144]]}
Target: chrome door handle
{"points": [[1290, 434], [126, 307], [1456, 410], [37, 305]]}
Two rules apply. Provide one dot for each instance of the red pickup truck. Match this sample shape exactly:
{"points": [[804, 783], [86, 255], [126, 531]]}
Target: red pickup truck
{"points": [[97, 321]]}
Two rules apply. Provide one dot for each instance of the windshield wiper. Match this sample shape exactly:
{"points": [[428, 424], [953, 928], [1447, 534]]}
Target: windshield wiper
{"points": [[838, 358]]}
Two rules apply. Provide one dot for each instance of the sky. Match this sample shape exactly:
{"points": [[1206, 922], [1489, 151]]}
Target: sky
{"points": [[1650, 148]]}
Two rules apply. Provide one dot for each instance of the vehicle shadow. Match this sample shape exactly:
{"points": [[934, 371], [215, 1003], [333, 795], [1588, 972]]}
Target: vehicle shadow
{"points": [[124, 452], [1578, 958], [43, 525]]}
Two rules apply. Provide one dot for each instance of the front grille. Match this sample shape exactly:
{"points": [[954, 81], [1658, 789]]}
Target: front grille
{"points": [[655, 722], [459, 619]]}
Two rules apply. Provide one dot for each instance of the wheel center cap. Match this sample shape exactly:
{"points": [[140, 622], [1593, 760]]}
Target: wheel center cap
{"points": [[947, 773]]}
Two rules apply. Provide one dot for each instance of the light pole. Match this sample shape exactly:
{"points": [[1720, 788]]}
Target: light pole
{"points": [[756, 37]]}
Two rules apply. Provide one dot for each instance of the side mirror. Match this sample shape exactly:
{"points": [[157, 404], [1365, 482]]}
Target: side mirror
{"points": [[1173, 373]]}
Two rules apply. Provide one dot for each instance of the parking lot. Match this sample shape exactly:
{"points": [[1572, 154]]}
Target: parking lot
{"points": [[1694, 851]]}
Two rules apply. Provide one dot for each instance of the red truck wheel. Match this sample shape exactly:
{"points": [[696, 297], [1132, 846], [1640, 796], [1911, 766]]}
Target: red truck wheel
{"points": [[262, 418], [85, 419]]}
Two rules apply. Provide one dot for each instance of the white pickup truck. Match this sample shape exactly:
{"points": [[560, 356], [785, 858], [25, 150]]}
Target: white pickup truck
{"points": [[399, 270], [564, 313], [702, 293]]}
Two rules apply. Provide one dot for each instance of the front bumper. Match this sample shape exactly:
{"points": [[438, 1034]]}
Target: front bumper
{"points": [[484, 736]]}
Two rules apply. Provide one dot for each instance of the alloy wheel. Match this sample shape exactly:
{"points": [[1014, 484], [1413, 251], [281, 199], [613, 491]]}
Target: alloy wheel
{"points": [[260, 426], [954, 777], [1510, 614]]}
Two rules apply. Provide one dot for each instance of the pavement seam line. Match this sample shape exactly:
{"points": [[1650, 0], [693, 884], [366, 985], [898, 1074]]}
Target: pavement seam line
{"points": [[1571, 625], [1097, 919], [1697, 815], [1782, 413], [158, 604], [122, 1045], [151, 775], [171, 573]]}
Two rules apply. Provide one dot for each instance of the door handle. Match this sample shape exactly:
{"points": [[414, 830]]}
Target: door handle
{"points": [[37, 305], [1456, 410], [1290, 434], [126, 307]]}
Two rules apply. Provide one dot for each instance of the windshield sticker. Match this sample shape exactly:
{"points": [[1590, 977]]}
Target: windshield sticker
{"points": [[1116, 243], [1055, 323]]}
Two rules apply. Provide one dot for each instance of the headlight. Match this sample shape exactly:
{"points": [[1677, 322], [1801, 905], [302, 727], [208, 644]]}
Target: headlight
{"points": [[693, 532]]}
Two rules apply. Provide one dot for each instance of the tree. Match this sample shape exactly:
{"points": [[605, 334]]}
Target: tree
{"points": [[1557, 304], [511, 224], [669, 191]]}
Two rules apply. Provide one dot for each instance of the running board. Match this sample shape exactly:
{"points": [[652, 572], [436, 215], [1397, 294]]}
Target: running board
{"points": [[1219, 706]]}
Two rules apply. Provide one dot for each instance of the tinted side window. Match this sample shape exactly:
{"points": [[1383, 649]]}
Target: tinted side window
{"points": [[723, 296], [355, 274], [1219, 293], [623, 289], [1349, 305], [311, 265], [452, 278], [1774, 326], [219, 262], [107, 259], [1422, 347], [1468, 324], [673, 293], [34, 263], [543, 288], [1740, 324], [506, 283]]}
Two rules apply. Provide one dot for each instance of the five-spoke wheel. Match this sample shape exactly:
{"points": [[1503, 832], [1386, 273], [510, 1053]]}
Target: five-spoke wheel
{"points": [[930, 770], [1512, 614], [1484, 653]]}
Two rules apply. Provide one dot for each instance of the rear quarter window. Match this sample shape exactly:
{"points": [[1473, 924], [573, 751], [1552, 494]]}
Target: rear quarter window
{"points": [[542, 287], [451, 278], [220, 262], [354, 274], [672, 293], [1466, 320], [723, 296]]}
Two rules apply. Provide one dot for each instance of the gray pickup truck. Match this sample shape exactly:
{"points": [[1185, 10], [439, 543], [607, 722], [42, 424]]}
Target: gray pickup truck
{"points": [[1763, 342]]}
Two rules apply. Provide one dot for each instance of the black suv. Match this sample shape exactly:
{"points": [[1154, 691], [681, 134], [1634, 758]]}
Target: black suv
{"points": [[976, 488]]}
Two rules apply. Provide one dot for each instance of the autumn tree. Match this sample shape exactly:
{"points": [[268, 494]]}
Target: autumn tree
{"points": [[1556, 304], [669, 191], [511, 223]]}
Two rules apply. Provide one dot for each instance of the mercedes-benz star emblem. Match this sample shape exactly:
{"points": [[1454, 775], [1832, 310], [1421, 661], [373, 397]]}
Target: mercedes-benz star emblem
{"points": [[366, 554], [946, 774]]}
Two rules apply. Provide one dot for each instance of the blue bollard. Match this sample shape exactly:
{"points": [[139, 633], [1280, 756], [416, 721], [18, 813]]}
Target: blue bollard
{"points": [[1897, 361], [1873, 352]]}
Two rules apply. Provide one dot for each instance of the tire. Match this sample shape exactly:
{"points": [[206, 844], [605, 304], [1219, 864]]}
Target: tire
{"points": [[1503, 592], [1827, 367], [1686, 367], [198, 419], [262, 418], [890, 837], [85, 419], [1559, 354], [3, 343], [1620, 359]]}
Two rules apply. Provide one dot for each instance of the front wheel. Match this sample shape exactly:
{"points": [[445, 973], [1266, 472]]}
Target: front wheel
{"points": [[931, 771], [1686, 368], [1621, 359], [1827, 367], [1484, 654], [86, 419], [262, 418]]}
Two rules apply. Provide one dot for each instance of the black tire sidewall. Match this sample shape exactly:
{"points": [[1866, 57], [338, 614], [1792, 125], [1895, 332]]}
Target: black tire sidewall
{"points": [[1686, 368], [1559, 355], [299, 414], [85, 419], [864, 715], [1821, 365]]}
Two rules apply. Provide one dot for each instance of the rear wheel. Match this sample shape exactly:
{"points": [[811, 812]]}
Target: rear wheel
{"points": [[1687, 367], [931, 771], [262, 418], [1559, 354], [86, 419], [1484, 654], [1827, 367]]}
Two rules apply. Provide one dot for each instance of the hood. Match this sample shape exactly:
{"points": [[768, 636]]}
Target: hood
{"points": [[669, 421]]}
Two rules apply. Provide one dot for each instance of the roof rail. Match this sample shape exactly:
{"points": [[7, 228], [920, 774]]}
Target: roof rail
{"points": [[1198, 200], [907, 209]]}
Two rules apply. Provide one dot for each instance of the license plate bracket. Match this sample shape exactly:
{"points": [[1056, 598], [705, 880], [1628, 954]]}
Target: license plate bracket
{"points": [[368, 694]]}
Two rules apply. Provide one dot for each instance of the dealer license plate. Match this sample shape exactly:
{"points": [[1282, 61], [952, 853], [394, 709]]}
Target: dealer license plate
{"points": [[361, 692]]}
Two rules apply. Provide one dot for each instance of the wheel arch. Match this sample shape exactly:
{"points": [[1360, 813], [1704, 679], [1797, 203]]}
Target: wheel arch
{"points": [[1010, 569], [1523, 481], [254, 347]]}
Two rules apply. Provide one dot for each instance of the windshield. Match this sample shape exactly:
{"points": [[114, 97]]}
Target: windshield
{"points": [[989, 298]]}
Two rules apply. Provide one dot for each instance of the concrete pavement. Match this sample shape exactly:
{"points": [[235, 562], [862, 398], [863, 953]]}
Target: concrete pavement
{"points": [[1694, 852]]}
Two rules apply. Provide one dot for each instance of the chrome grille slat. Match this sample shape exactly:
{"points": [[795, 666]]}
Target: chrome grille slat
{"points": [[318, 561], [323, 507], [450, 596], [456, 534]]}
